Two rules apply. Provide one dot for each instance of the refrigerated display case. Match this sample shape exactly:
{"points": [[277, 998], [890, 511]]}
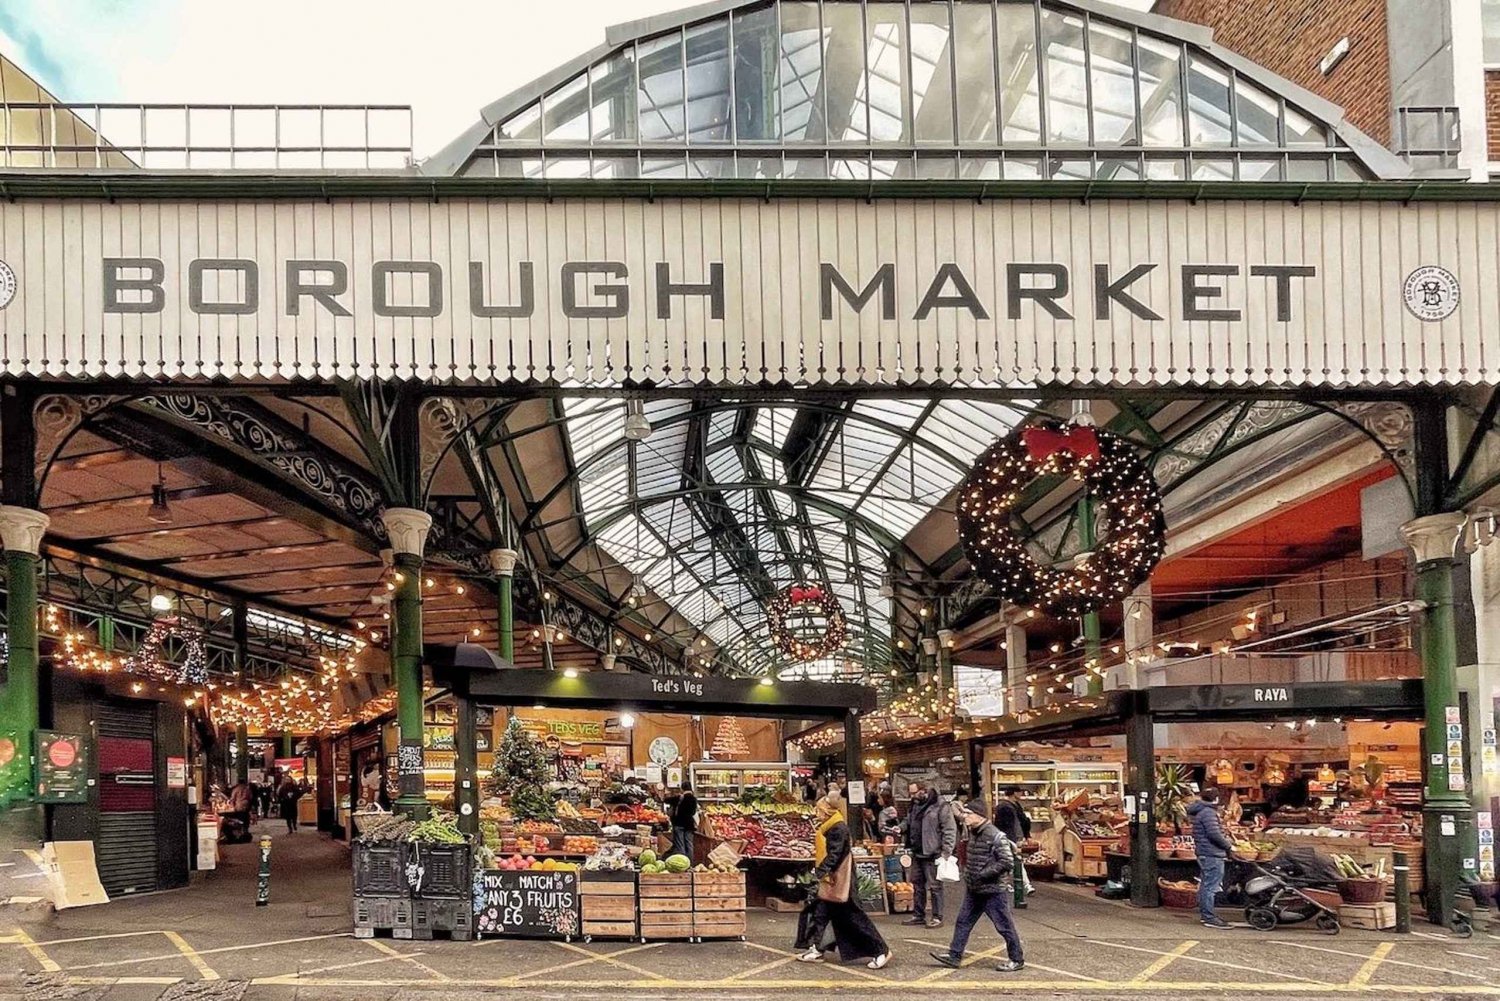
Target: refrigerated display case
{"points": [[725, 781], [1033, 779]]}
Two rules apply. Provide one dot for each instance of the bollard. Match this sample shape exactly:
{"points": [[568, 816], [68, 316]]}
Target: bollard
{"points": [[263, 878], [1400, 867]]}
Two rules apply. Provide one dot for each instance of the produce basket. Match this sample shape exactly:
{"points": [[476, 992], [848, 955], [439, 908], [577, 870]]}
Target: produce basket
{"points": [[1041, 872], [1361, 891], [1176, 896]]}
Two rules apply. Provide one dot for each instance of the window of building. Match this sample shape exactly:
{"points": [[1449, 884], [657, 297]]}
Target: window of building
{"points": [[1490, 12]]}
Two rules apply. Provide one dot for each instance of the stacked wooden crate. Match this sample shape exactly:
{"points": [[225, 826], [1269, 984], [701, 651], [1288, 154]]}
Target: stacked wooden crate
{"points": [[719, 905], [666, 905], [609, 904]]}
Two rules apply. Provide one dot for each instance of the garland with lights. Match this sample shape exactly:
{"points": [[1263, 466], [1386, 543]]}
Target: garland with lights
{"points": [[804, 599], [1109, 469]]}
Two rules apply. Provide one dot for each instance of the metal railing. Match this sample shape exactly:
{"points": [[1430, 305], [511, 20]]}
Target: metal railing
{"points": [[93, 136]]}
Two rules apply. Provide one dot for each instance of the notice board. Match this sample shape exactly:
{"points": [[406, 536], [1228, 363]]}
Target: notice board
{"points": [[526, 904]]}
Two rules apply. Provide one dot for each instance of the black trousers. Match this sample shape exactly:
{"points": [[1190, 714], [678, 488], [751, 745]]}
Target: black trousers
{"points": [[923, 878], [854, 934], [997, 907]]}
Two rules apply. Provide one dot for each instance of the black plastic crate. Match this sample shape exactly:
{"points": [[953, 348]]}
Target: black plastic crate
{"points": [[439, 872], [377, 914], [453, 917], [380, 869]]}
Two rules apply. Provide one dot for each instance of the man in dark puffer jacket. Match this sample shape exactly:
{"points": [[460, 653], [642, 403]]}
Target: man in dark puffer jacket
{"points": [[989, 887]]}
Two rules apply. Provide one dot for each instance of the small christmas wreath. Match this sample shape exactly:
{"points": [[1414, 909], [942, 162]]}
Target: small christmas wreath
{"points": [[1134, 529], [805, 599]]}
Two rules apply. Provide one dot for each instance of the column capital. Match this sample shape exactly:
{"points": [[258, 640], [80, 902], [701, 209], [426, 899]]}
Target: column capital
{"points": [[1434, 537], [503, 561], [21, 529], [407, 529]]}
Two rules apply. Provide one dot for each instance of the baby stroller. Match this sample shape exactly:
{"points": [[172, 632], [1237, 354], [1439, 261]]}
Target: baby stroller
{"points": [[1274, 892]]}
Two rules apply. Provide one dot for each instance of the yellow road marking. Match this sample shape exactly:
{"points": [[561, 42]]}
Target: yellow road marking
{"points": [[593, 958], [406, 957], [291, 978], [1364, 973], [840, 968], [95, 938], [204, 970], [36, 858], [1392, 962], [762, 968], [134, 960], [1209, 962], [37, 954], [1164, 962], [610, 960]]}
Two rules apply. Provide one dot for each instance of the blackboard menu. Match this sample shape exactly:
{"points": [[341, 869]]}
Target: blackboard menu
{"points": [[409, 765], [526, 904], [869, 883]]}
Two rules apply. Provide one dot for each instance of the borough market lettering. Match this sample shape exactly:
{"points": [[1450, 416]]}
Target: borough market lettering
{"points": [[603, 290]]}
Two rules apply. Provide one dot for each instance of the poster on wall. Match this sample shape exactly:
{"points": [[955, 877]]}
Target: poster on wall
{"points": [[177, 773], [62, 767]]}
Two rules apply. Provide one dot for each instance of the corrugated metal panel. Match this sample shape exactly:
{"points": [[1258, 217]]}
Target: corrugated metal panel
{"points": [[126, 852], [1355, 322], [136, 722]]}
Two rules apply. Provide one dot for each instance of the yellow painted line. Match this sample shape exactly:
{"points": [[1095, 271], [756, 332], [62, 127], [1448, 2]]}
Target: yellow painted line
{"points": [[204, 970], [36, 858], [1164, 962], [610, 960], [292, 978], [37, 954], [1392, 962], [1364, 973], [548, 970], [96, 938], [854, 971], [405, 956], [1209, 962]]}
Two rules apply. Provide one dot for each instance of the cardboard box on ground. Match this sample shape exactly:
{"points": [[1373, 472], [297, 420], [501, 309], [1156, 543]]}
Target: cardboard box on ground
{"points": [[73, 874]]}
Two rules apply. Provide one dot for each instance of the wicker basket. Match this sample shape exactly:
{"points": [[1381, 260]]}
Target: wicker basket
{"points": [[1042, 873], [1361, 891], [1177, 898]]}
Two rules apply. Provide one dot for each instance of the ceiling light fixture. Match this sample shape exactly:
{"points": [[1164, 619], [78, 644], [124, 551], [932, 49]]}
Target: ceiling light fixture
{"points": [[159, 513], [637, 426]]}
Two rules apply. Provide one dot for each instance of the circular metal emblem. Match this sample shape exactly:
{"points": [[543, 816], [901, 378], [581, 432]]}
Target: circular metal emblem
{"points": [[1430, 293], [7, 284]]}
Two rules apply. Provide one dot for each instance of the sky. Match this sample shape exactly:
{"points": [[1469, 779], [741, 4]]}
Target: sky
{"points": [[445, 58]]}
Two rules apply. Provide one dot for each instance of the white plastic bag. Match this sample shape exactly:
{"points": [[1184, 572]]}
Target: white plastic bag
{"points": [[947, 870]]}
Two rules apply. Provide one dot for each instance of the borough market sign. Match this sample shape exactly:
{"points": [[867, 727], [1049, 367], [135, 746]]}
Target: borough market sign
{"points": [[744, 292]]}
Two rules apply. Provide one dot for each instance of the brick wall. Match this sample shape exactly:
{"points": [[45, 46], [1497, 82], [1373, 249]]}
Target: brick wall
{"points": [[1492, 112], [1290, 37]]}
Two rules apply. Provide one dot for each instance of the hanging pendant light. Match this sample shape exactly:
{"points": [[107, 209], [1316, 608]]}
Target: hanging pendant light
{"points": [[637, 427], [159, 513]]}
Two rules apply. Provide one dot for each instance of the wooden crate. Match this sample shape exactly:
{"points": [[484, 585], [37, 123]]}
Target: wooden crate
{"points": [[730, 903], [1372, 916], [607, 908], [666, 884], [722, 924], [606, 888], [777, 904], [901, 901], [718, 884], [666, 905], [609, 929], [659, 926]]}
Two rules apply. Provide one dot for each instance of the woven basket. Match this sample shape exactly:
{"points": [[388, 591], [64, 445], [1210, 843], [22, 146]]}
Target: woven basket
{"points": [[1176, 898], [1362, 891], [1042, 873]]}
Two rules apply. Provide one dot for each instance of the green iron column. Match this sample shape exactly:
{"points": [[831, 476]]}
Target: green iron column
{"points": [[503, 561], [239, 625], [407, 530], [1087, 539], [1446, 811], [21, 529]]}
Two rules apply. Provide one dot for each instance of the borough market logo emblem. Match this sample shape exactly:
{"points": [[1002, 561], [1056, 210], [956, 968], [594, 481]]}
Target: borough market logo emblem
{"points": [[7, 284], [1430, 293]]}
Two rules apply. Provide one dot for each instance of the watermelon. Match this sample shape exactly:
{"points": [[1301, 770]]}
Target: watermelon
{"points": [[646, 858], [678, 863]]}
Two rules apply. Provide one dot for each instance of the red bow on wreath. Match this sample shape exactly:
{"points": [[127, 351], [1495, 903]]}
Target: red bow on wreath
{"points": [[1042, 443], [801, 594]]}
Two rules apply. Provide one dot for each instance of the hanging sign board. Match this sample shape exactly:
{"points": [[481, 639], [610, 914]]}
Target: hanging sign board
{"points": [[62, 767], [526, 904]]}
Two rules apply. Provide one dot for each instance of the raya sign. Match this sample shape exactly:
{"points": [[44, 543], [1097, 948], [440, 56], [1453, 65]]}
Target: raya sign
{"points": [[740, 291]]}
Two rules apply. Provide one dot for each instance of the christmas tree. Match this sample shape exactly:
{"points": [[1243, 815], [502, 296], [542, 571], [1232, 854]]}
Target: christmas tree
{"points": [[729, 742], [521, 769]]}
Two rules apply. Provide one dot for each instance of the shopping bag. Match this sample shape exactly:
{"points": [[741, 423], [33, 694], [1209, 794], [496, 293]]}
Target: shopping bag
{"points": [[805, 929], [947, 870]]}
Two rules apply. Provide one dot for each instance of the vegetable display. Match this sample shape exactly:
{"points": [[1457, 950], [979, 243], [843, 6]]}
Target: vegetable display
{"points": [[438, 829]]}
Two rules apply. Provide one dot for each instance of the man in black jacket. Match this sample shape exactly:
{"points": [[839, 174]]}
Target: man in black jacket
{"points": [[1010, 817], [988, 889]]}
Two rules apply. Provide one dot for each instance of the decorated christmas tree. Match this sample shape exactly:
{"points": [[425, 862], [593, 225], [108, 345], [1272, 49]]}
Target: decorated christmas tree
{"points": [[521, 770], [729, 742]]}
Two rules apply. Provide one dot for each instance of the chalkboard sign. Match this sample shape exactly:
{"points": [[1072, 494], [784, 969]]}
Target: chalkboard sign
{"points": [[526, 904], [870, 871]]}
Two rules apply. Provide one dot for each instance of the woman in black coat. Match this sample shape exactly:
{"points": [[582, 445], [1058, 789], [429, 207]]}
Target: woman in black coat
{"points": [[854, 934]]}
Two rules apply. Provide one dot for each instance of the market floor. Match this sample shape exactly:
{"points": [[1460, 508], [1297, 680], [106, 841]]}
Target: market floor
{"points": [[209, 941]]}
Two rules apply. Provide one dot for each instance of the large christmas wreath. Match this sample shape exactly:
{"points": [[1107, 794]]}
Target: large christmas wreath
{"points": [[1132, 531], [806, 601]]}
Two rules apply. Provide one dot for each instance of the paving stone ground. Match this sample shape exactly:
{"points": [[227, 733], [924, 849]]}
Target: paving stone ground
{"points": [[209, 942]]}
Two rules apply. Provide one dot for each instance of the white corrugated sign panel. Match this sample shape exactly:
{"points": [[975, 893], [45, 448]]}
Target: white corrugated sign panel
{"points": [[1367, 314]]}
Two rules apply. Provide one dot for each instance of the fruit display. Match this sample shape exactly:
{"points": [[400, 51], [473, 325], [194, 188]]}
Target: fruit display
{"points": [[385, 829], [899, 888], [1039, 859], [769, 830], [675, 864], [528, 863], [538, 827], [610, 857], [438, 829], [723, 867], [627, 814], [580, 845]]}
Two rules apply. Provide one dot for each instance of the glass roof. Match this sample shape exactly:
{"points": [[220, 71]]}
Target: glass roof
{"points": [[724, 504], [857, 89]]}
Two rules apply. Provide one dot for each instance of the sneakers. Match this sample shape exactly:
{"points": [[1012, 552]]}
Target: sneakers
{"points": [[878, 963], [813, 955], [946, 959], [1010, 966], [915, 921], [935, 922], [1216, 922]]}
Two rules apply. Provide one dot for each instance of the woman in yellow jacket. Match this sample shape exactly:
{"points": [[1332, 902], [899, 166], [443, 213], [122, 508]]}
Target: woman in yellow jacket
{"points": [[854, 934]]}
